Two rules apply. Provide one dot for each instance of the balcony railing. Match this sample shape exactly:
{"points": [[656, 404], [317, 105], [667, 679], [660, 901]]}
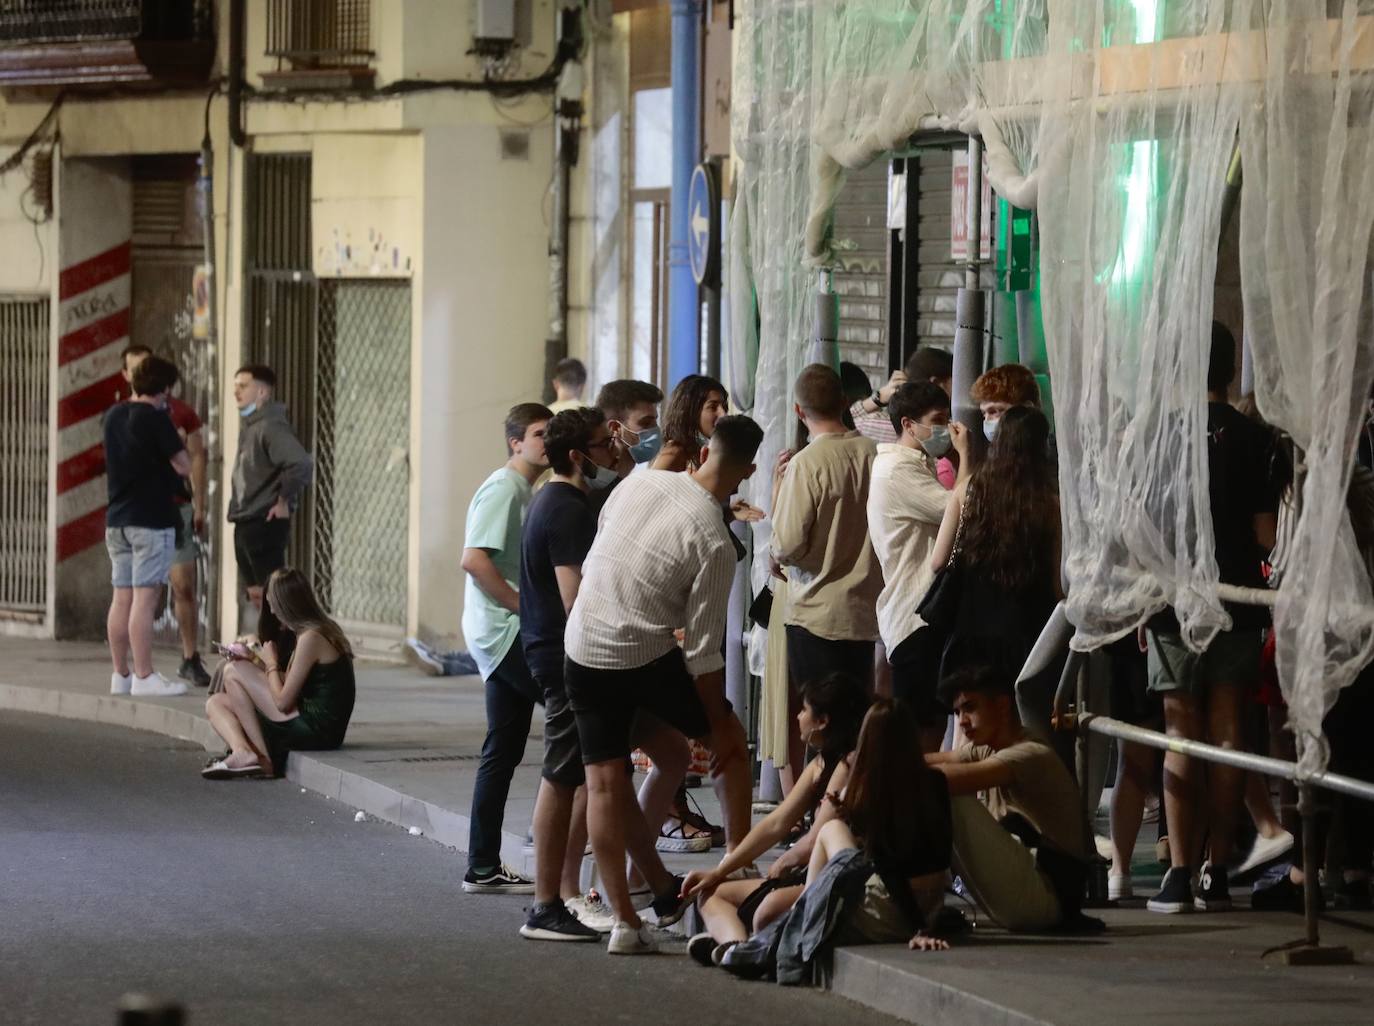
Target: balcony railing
{"points": [[71, 42], [320, 42]]}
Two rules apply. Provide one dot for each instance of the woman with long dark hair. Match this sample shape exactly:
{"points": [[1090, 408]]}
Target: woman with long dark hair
{"points": [[689, 421], [304, 704], [833, 709], [895, 809], [1002, 530]]}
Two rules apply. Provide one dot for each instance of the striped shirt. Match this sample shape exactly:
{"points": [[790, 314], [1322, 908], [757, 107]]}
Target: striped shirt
{"points": [[906, 503], [662, 560]]}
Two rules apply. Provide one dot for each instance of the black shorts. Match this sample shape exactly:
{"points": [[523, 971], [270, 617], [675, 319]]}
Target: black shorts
{"points": [[606, 702], [810, 657], [562, 747], [916, 675], [259, 549]]}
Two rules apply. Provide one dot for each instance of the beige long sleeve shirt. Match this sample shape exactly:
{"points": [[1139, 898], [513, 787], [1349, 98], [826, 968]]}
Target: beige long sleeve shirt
{"points": [[820, 533], [906, 503]]}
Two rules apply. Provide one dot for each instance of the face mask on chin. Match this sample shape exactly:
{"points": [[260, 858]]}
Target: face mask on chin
{"points": [[598, 478], [249, 410]]}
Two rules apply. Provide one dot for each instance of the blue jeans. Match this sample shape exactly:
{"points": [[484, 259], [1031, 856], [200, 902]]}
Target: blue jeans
{"points": [[511, 697]]}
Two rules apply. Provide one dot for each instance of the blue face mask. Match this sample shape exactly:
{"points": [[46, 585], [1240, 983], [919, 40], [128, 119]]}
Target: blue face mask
{"points": [[249, 410], [939, 441], [990, 429], [650, 442], [597, 478]]}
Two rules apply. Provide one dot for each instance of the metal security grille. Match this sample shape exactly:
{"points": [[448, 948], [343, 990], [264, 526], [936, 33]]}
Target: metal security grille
{"points": [[362, 420], [282, 299], [24, 456], [860, 276], [319, 33]]}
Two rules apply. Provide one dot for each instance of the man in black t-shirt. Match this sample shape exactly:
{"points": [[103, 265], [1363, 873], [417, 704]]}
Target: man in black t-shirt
{"points": [[559, 530], [1202, 692], [145, 459]]}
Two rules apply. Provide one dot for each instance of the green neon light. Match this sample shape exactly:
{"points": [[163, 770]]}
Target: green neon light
{"points": [[1147, 20], [1140, 198]]}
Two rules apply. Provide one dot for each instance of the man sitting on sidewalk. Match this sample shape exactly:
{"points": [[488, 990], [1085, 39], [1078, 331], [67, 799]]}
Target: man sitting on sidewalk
{"points": [[1022, 849], [662, 561], [144, 462], [491, 625]]}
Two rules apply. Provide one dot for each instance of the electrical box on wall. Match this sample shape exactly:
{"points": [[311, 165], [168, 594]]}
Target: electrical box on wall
{"points": [[494, 27]]}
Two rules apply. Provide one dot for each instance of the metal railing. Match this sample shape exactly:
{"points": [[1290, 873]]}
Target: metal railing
{"points": [[78, 21], [320, 33], [1307, 950]]}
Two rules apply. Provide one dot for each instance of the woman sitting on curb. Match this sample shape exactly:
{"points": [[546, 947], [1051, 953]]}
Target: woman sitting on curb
{"points": [[305, 705], [833, 708]]}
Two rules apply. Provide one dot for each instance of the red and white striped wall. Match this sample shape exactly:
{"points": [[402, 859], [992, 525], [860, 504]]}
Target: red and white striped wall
{"points": [[94, 296]]}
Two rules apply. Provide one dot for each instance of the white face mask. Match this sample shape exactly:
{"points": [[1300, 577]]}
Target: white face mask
{"points": [[249, 410], [598, 478], [990, 429]]}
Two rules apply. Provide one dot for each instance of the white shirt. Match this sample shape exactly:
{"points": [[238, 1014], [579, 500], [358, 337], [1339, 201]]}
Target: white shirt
{"points": [[906, 503], [662, 560]]}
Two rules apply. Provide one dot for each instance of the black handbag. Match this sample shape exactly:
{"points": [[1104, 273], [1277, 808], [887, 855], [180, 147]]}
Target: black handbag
{"points": [[939, 608]]}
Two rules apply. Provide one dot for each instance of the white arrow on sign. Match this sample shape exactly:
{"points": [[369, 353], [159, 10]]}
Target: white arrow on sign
{"points": [[701, 228]]}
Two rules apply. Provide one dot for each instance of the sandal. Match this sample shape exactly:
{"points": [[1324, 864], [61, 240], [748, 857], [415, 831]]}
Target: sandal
{"points": [[221, 770], [696, 818], [677, 839]]}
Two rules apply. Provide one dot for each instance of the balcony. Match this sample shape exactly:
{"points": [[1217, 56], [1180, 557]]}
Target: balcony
{"points": [[104, 42], [319, 44]]}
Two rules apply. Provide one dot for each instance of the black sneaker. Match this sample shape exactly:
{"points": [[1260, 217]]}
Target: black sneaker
{"points": [[194, 671], [501, 880], [553, 922], [1276, 892], [670, 906], [1213, 889], [700, 948], [1175, 893]]}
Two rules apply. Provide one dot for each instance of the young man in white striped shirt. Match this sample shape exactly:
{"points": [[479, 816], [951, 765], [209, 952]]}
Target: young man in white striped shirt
{"points": [[906, 503], [662, 560]]}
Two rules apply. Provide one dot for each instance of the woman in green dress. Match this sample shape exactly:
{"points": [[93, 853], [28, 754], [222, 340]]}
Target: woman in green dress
{"points": [[304, 705]]}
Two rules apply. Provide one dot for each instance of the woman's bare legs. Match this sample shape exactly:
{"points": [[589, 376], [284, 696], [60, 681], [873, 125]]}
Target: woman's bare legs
{"points": [[776, 905], [247, 690], [1135, 770], [220, 711], [720, 912]]}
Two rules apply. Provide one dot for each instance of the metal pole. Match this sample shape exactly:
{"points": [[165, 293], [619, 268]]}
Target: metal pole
{"points": [[684, 339], [969, 311], [1311, 885], [205, 187]]}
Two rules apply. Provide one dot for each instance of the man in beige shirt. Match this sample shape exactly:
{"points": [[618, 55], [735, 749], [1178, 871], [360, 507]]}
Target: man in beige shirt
{"points": [[821, 547]]}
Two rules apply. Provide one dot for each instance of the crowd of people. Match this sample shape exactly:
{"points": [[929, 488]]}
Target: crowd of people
{"points": [[914, 563]]}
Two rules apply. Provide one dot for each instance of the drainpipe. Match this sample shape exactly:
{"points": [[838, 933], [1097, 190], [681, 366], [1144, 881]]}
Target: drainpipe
{"points": [[684, 356], [236, 59], [566, 125]]}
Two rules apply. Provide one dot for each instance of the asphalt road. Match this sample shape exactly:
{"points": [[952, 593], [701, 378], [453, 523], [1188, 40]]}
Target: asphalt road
{"points": [[254, 902]]}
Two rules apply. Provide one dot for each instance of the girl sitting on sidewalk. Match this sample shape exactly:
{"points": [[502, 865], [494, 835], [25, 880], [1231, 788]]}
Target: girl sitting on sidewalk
{"points": [[833, 707], [304, 705]]}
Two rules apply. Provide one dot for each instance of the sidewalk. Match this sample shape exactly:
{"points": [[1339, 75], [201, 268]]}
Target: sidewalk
{"points": [[412, 753]]}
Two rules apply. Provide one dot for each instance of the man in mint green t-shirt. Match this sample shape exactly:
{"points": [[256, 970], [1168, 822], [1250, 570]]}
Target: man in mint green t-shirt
{"points": [[491, 626]]}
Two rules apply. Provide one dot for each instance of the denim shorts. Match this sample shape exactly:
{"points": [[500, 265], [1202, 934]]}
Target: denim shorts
{"points": [[140, 557]]}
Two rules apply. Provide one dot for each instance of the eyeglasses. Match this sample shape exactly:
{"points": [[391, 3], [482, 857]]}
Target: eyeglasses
{"points": [[605, 443]]}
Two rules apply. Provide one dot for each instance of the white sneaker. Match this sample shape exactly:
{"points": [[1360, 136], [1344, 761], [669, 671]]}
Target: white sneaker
{"points": [[1119, 887], [120, 683], [592, 912], [155, 685], [627, 940], [1265, 850]]}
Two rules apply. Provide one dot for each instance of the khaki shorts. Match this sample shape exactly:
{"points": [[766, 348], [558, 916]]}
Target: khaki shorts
{"points": [[1233, 657]]}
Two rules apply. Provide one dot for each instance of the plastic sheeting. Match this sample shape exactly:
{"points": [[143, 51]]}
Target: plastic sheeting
{"points": [[1117, 120], [1307, 204]]}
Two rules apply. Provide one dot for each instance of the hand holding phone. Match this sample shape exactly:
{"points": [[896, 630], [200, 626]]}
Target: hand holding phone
{"points": [[233, 650]]}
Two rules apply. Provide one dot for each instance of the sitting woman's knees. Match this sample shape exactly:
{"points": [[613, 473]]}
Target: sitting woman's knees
{"points": [[215, 701]]}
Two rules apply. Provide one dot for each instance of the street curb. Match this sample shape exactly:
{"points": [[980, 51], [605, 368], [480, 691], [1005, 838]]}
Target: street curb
{"points": [[906, 995], [310, 772]]}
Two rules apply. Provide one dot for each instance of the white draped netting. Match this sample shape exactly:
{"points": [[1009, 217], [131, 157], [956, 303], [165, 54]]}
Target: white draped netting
{"points": [[1116, 120]]}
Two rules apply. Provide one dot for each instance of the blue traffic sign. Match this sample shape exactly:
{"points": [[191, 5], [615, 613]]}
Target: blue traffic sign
{"points": [[703, 223]]}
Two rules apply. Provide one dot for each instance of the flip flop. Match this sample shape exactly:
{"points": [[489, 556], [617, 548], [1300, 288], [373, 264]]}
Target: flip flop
{"points": [[221, 770]]}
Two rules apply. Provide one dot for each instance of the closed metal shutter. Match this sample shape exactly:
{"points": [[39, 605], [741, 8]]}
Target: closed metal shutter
{"points": [[23, 458], [860, 274]]}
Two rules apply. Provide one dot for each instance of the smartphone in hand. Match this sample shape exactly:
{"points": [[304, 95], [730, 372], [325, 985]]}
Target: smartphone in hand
{"points": [[233, 650]]}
